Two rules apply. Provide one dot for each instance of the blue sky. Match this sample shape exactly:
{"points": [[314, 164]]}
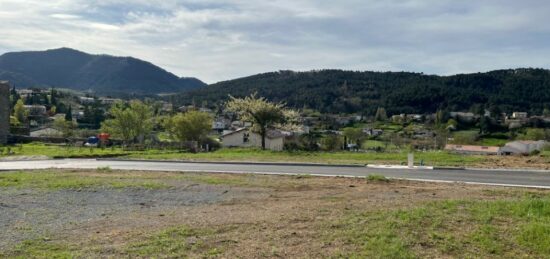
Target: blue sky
{"points": [[221, 40]]}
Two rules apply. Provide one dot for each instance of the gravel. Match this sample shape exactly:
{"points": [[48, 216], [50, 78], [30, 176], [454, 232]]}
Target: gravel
{"points": [[30, 213]]}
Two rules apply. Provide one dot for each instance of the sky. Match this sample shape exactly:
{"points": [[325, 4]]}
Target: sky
{"points": [[227, 39]]}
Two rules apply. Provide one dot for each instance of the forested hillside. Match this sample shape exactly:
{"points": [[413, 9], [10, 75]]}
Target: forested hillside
{"points": [[338, 91]]}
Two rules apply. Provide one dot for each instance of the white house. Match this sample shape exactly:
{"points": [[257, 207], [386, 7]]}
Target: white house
{"points": [[244, 137]]}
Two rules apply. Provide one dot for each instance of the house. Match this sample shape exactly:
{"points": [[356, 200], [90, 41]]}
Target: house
{"points": [[87, 100], [423, 134], [206, 110], [467, 117], [36, 110], [244, 137], [519, 115], [372, 132], [167, 107], [109, 101], [220, 124], [472, 150], [524, 147]]}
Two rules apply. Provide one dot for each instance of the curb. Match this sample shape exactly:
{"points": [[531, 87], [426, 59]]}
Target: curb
{"points": [[227, 162], [509, 170], [448, 168], [400, 167]]}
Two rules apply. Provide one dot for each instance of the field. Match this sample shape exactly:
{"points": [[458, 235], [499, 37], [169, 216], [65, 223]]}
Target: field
{"points": [[432, 158], [105, 213]]}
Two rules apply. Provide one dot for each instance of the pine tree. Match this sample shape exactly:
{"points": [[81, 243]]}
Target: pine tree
{"points": [[69, 114]]}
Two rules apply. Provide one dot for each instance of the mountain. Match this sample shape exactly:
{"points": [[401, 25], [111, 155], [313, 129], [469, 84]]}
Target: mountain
{"points": [[103, 74], [338, 91]]}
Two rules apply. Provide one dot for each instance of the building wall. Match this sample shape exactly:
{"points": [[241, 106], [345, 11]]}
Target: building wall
{"points": [[254, 140], [4, 112]]}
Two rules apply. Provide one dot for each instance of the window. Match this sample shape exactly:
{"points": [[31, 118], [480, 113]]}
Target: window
{"points": [[246, 137]]}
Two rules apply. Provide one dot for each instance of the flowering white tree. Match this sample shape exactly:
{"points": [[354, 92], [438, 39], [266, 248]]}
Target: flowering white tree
{"points": [[263, 114]]}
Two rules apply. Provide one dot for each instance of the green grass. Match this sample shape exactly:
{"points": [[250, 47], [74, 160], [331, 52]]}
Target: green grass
{"points": [[56, 151], [377, 178], [461, 229], [66, 180], [172, 243], [42, 248], [437, 158], [514, 228], [492, 142], [430, 158]]}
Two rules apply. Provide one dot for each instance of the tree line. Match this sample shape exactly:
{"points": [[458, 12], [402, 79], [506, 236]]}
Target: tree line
{"points": [[338, 91]]}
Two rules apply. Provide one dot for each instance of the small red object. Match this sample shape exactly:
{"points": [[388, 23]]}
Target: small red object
{"points": [[104, 136]]}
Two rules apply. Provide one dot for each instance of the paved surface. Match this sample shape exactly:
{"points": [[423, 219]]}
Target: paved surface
{"points": [[489, 177]]}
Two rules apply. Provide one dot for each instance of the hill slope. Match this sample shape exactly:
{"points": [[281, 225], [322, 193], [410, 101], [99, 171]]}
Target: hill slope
{"points": [[68, 68], [338, 91]]}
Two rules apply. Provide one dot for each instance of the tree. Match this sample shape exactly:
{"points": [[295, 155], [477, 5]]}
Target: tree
{"points": [[20, 112], [355, 135], [535, 134], [331, 142], [69, 114], [381, 114], [190, 126], [485, 125], [66, 127], [441, 116], [263, 114], [129, 122]]}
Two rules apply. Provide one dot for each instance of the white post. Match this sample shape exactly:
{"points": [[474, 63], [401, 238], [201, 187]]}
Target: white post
{"points": [[410, 160]]}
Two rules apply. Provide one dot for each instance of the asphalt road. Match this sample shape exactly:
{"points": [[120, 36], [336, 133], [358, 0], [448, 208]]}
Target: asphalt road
{"points": [[488, 177]]}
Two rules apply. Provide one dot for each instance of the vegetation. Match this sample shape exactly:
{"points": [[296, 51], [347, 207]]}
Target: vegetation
{"points": [[263, 114], [479, 222], [19, 112], [377, 178], [130, 122], [67, 127], [189, 126], [438, 158], [466, 229], [55, 180], [337, 91]]}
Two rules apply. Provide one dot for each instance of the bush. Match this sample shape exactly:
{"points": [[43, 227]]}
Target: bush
{"points": [[332, 143], [377, 178], [306, 142]]}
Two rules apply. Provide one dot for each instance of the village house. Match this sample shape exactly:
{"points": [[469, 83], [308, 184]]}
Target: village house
{"points": [[86, 100], [467, 117], [109, 101], [519, 115], [244, 137], [372, 132]]}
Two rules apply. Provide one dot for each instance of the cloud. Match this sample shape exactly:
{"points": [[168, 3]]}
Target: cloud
{"points": [[220, 40]]}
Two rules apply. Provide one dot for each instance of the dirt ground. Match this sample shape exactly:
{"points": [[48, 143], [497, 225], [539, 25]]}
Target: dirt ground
{"points": [[535, 162], [246, 216]]}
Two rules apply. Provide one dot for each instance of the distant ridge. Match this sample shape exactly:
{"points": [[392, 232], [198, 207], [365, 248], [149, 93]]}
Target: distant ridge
{"points": [[340, 91], [102, 74]]}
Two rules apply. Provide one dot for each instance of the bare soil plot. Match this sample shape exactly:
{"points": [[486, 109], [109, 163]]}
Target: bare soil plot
{"points": [[104, 213]]}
